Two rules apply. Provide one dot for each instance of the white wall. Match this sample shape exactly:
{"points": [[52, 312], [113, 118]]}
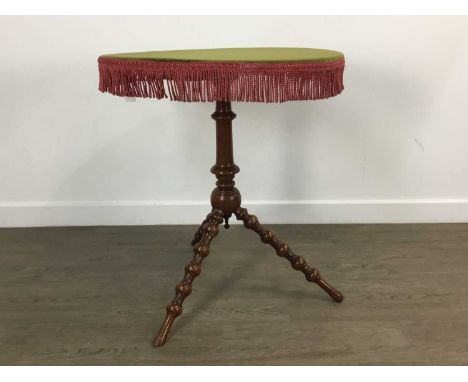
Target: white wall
{"points": [[390, 148]]}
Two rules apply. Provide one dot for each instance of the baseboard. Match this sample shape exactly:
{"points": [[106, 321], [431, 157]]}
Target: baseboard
{"points": [[35, 214]]}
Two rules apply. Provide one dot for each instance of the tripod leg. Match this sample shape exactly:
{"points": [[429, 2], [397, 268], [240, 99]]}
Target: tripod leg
{"points": [[199, 233], [283, 250], [192, 269]]}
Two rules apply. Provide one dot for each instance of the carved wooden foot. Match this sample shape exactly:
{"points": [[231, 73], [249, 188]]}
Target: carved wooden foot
{"points": [[199, 233], [283, 250], [192, 270]]}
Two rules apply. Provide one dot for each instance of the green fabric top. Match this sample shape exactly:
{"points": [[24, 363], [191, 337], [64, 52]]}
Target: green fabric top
{"points": [[259, 55]]}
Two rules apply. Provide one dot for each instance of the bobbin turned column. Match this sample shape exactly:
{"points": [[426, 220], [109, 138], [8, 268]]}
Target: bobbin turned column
{"points": [[192, 270]]}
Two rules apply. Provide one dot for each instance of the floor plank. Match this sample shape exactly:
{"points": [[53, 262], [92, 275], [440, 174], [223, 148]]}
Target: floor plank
{"points": [[96, 296]]}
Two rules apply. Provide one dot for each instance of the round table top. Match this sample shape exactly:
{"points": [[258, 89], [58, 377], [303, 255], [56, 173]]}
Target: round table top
{"points": [[232, 74], [250, 55]]}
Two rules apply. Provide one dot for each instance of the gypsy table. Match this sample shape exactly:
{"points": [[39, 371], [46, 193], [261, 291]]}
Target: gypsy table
{"points": [[222, 76]]}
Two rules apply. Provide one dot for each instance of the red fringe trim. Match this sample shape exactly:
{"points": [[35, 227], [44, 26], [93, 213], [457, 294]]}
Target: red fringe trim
{"points": [[220, 81]]}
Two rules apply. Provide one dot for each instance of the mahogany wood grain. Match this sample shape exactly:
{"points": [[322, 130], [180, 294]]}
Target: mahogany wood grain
{"points": [[297, 262], [192, 270], [225, 201]]}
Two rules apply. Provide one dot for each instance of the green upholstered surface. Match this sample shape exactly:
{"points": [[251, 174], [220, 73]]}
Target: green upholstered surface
{"points": [[260, 55]]}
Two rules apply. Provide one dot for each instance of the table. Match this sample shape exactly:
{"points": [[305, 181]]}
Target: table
{"points": [[224, 76]]}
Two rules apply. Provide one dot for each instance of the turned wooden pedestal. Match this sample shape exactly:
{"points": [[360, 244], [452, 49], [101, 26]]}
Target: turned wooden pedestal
{"points": [[226, 201]]}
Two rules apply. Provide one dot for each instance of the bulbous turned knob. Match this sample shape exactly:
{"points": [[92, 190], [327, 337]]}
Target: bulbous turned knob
{"points": [[251, 221], [174, 310], [201, 249], [283, 250], [226, 201], [266, 236], [299, 263], [193, 269], [184, 289], [212, 229], [314, 276]]}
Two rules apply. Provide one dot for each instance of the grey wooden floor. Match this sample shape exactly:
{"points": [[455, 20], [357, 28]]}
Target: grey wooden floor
{"points": [[96, 295]]}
